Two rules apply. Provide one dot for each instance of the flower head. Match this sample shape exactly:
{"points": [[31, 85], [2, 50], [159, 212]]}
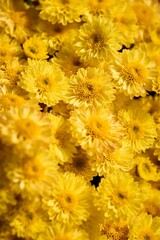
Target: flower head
{"points": [[90, 87], [97, 39], [44, 81]]}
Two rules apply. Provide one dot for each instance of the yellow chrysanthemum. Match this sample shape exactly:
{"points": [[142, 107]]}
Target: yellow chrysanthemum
{"points": [[31, 176], [24, 128], [80, 165], [139, 128], [120, 158], [133, 72], [27, 216], [145, 227], [16, 20], [35, 47], [97, 39], [7, 200], [69, 200], [61, 11], [104, 8], [10, 99], [67, 54], [90, 87], [62, 108], [97, 130], [147, 15], [61, 147], [119, 196], [44, 82], [9, 48], [126, 24], [116, 230], [64, 232], [151, 204], [146, 169]]}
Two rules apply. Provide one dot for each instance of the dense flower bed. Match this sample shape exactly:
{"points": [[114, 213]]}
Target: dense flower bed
{"points": [[80, 120]]}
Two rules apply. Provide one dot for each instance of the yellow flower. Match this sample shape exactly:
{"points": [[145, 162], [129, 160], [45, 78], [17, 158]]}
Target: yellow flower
{"points": [[35, 47], [146, 169], [44, 82], [151, 204], [61, 147], [120, 158], [9, 100], [147, 15], [24, 128], [97, 39], [117, 230], [119, 196], [90, 87], [68, 200], [9, 48], [27, 216], [145, 227], [67, 54], [126, 24], [95, 130], [139, 128], [80, 165], [133, 72], [63, 232], [61, 11], [104, 8], [31, 176], [16, 20]]}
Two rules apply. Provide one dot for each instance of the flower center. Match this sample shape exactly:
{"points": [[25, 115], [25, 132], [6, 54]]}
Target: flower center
{"points": [[88, 90], [67, 201], [33, 170], [27, 129], [134, 73], [45, 84], [97, 127], [11, 100]]}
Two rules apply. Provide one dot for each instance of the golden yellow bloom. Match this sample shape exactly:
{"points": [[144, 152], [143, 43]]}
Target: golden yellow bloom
{"points": [[44, 82], [27, 215], [68, 200], [120, 158], [61, 11], [119, 196], [24, 128], [126, 24], [151, 204], [95, 130], [145, 227], [35, 47], [146, 169], [16, 20], [67, 54], [31, 176], [139, 128], [133, 72], [117, 230], [147, 15], [90, 87], [97, 39], [104, 8], [80, 165], [63, 232], [9, 48], [61, 147]]}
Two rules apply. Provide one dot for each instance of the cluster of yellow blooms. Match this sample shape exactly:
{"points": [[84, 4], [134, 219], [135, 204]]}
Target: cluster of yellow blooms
{"points": [[79, 120]]}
